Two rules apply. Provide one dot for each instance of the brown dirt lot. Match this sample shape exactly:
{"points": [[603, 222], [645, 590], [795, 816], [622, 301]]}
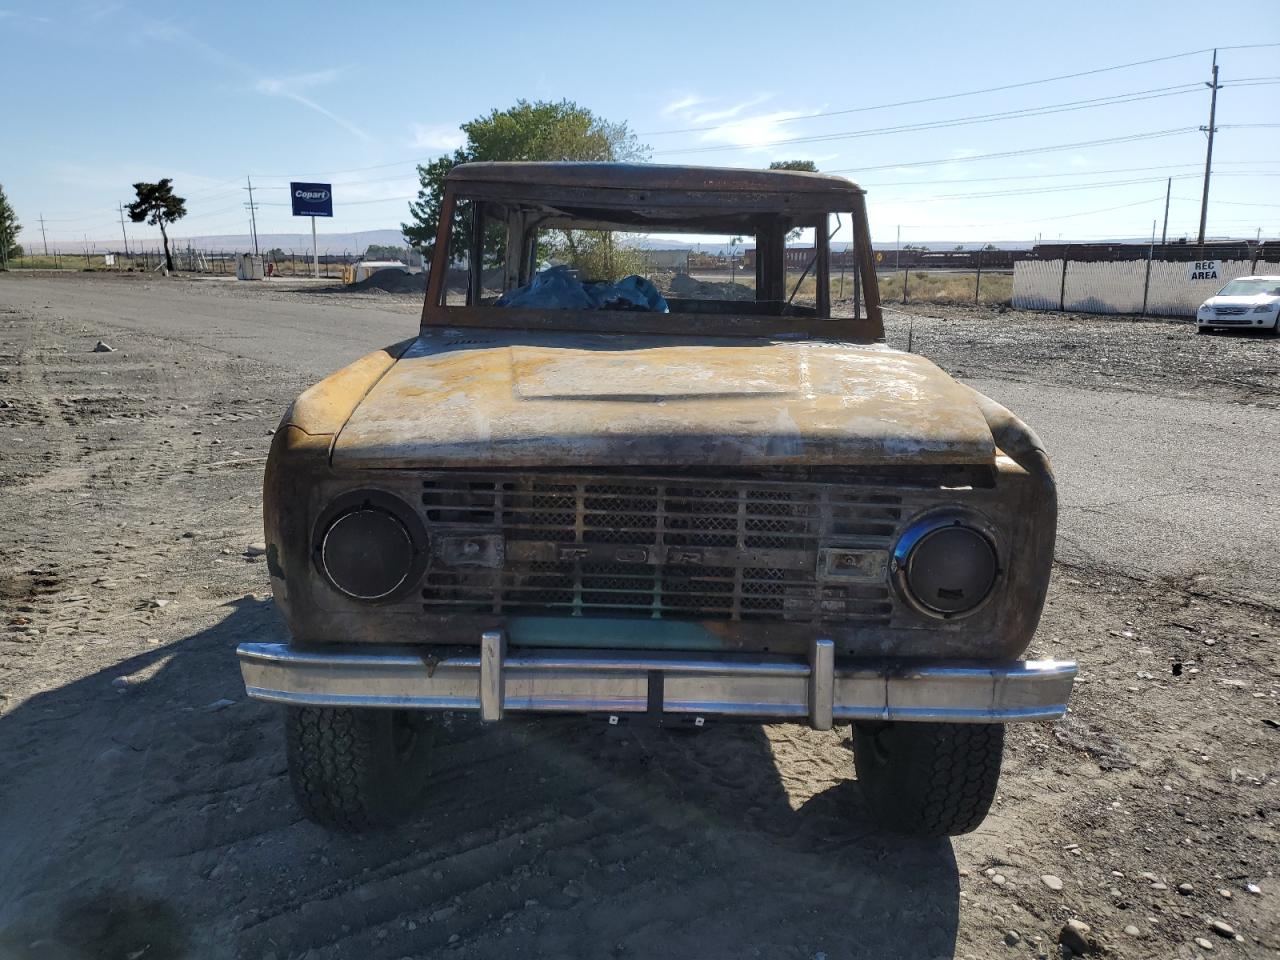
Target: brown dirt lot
{"points": [[145, 811]]}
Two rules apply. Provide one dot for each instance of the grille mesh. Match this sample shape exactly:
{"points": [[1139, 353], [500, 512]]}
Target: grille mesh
{"points": [[658, 548]]}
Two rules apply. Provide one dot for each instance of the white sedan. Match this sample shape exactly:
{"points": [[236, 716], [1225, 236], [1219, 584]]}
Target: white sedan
{"points": [[1246, 302]]}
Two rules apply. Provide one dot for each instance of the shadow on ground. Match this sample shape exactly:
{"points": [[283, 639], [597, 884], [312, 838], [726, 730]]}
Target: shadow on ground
{"points": [[157, 823]]}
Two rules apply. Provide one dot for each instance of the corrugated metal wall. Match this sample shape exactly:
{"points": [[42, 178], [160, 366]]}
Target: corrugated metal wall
{"points": [[1116, 287]]}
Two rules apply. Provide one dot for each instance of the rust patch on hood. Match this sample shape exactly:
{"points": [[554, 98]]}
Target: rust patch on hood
{"points": [[475, 398]]}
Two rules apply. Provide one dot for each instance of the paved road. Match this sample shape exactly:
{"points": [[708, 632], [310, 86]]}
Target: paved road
{"points": [[1150, 484]]}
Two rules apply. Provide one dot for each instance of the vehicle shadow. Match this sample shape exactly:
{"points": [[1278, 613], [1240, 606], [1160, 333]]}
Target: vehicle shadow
{"points": [[147, 818]]}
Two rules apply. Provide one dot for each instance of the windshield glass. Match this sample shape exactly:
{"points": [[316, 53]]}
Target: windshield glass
{"points": [[1251, 288]]}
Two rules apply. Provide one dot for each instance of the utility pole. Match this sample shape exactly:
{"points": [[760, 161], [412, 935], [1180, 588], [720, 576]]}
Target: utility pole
{"points": [[122, 233], [1164, 234], [253, 218], [43, 238], [1208, 156]]}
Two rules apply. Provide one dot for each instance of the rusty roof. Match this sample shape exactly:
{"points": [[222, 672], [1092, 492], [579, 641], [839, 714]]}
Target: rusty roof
{"points": [[653, 176]]}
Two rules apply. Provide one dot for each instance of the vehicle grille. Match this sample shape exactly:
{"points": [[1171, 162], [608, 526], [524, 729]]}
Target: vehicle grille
{"points": [[1229, 311], [698, 549]]}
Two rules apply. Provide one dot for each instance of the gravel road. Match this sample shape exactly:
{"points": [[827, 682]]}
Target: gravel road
{"points": [[145, 812]]}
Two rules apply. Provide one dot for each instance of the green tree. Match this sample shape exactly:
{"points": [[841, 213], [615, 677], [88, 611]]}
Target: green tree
{"points": [[9, 229], [595, 254], [804, 166], [157, 205], [528, 131], [382, 251]]}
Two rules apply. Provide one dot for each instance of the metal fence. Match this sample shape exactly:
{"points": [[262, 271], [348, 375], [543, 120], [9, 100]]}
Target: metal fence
{"points": [[187, 259], [1156, 287]]}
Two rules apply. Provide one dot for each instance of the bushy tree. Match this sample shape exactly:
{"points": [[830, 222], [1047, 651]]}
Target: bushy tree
{"points": [[804, 166], [541, 130], [9, 229], [595, 254], [157, 205], [382, 251]]}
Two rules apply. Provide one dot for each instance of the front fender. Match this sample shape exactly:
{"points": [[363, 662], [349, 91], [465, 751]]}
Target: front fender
{"points": [[299, 463]]}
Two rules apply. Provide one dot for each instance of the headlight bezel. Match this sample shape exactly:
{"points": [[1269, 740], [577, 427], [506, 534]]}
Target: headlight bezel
{"points": [[382, 501], [918, 531]]}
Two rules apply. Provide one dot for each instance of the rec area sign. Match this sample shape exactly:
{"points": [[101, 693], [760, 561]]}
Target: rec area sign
{"points": [[1204, 270], [312, 199]]}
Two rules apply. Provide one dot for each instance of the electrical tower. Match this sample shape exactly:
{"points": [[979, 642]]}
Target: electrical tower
{"points": [[253, 217], [1208, 155]]}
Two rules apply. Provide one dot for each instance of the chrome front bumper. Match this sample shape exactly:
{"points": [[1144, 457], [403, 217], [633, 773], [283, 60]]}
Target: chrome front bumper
{"points": [[820, 690]]}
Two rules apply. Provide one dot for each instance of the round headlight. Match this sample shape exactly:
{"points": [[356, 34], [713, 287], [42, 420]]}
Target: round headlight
{"points": [[367, 553], [945, 567]]}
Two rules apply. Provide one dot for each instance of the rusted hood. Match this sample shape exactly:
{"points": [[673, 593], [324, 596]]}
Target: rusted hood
{"points": [[487, 398]]}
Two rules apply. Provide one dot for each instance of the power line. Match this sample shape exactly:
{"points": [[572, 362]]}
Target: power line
{"points": [[1097, 185], [1048, 109], [1072, 173], [1028, 151], [974, 93], [1000, 223], [1233, 203]]}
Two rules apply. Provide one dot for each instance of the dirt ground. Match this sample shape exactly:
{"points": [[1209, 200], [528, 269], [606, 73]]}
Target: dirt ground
{"points": [[145, 812]]}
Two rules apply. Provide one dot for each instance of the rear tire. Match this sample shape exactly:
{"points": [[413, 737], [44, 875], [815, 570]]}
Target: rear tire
{"points": [[929, 779], [356, 769]]}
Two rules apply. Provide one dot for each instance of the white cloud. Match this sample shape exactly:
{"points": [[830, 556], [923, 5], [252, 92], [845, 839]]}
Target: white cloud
{"points": [[712, 116], [756, 132], [288, 87], [441, 137], [282, 86], [8, 14], [732, 125], [682, 105]]}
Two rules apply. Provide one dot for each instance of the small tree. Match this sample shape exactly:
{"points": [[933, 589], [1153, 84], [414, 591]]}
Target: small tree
{"points": [[9, 227], [157, 205], [595, 254], [804, 166]]}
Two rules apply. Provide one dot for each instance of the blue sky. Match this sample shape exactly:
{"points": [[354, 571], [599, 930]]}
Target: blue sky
{"points": [[101, 94]]}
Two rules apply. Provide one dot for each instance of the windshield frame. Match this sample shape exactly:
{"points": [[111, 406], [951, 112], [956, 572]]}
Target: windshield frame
{"points": [[715, 209]]}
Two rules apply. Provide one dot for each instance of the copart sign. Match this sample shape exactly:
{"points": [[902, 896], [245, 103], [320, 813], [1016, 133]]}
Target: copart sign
{"points": [[311, 199]]}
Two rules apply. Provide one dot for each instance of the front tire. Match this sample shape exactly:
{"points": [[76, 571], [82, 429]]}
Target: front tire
{"points": [[929, 779], [356, 769]]}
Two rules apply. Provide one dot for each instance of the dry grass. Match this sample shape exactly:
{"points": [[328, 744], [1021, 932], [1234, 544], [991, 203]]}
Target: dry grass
{"points": [[996, 288], [921, 286]]}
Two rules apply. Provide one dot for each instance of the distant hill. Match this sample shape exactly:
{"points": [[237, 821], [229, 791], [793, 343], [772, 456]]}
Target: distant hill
{"points": [[333, 243]]}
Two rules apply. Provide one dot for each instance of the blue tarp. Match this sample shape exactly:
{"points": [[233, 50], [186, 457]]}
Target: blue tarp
{"points": [[557, 289]]}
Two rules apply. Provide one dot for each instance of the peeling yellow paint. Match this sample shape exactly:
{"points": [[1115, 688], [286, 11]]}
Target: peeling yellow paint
{"points": [[556, 398]]}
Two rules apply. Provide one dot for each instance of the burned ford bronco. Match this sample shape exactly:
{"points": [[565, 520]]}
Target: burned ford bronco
{"points": [[568, 496]]}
